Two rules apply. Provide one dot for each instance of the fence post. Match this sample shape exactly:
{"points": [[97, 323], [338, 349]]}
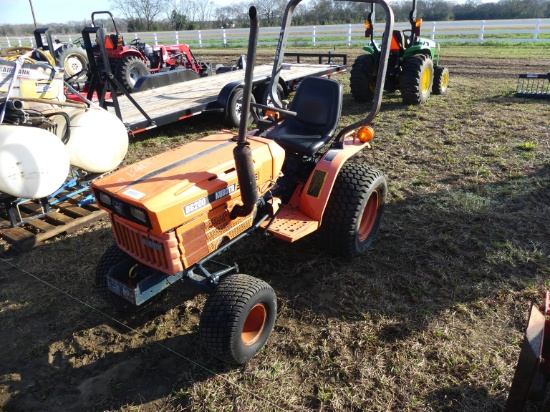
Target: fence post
{"points": [[32, 44], [313, 36], [481, 30], [177, 38], [537, 27], [156, 42], [433, 31], [19, 40], [224, 38], [8, 40], [349, 34], [200, 39]]}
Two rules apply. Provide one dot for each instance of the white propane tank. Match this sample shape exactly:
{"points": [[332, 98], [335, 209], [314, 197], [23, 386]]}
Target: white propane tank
{"points": [[98, 141], [34, 163]]}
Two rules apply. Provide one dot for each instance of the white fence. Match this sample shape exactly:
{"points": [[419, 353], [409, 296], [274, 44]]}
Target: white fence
{"points": [[527, 30]]}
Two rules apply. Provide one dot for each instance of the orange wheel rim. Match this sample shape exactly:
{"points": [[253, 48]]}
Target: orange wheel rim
{"points": [[369, 217], [254, 324]]}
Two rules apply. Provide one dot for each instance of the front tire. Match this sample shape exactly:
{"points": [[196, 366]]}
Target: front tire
{"points": [[112, 256], [416, 79], [354, 210], [129, 70], [74, 60], [441, 80], [363, 78], [238, 318]]}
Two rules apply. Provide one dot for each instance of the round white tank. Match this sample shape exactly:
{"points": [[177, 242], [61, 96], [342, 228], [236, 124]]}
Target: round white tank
{"points": [[34, 163], [98, 141]]}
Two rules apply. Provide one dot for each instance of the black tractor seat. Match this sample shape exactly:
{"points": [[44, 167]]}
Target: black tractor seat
{"points": [[318, 104]]}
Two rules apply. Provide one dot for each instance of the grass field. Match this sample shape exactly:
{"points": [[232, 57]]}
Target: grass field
{"points": [[430, 318]]}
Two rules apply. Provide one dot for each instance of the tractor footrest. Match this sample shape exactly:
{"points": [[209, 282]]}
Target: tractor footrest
{"points": [[290, 224]]}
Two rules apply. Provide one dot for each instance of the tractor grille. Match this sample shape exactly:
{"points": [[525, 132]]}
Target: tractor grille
{"points": [[158, 252], [210, 235]]}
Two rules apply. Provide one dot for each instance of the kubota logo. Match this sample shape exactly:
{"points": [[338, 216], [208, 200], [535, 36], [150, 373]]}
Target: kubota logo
{"points": [[150, 243]]}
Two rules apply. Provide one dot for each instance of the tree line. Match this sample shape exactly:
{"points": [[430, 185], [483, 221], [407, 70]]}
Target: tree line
{"points": [[178, 15]]}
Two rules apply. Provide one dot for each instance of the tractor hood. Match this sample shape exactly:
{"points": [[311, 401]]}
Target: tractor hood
{"points": [[165, 191]]}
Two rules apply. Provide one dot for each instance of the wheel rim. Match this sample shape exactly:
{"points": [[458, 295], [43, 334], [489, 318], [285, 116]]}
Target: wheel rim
{"points": [[368, 219], [134, 75], [73, 65], [426, 79], [445, 80], [254, 324]]}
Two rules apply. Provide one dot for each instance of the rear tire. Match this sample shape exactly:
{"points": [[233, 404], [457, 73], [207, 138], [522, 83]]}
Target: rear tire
{"points": [[441, 80], [112, 256], [129, 70], [363, 78], [354, 211], [416, 79], [238, 318]]}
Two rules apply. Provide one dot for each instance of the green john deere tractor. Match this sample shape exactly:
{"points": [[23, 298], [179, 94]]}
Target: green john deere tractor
{"points": [[413, 65]]}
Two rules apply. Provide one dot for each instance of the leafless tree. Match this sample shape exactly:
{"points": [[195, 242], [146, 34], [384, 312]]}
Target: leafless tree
{"points": [[142, 11]]}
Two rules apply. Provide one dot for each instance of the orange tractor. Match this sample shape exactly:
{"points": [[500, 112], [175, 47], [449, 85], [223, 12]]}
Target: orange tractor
{"points": [[173, 213]]}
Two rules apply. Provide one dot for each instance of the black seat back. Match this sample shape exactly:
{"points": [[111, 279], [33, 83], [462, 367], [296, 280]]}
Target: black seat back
{"points": [[318, 104]]}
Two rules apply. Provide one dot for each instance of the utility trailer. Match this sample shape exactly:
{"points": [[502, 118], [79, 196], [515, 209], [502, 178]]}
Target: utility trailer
{"points": [[168, 97]]}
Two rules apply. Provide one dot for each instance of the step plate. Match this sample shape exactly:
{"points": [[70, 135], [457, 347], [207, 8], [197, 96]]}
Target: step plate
{"points": [[290, 224]]}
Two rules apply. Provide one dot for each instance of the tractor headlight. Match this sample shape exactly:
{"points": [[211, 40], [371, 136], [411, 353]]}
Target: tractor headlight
{"points": [[138, 214], [105, 199]]}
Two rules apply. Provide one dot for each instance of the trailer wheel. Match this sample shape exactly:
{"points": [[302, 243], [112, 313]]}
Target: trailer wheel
{"points": [[416, 79], [129, 70], [238, 318], [441, 80], [112, 256], [234, 109], [363, 78], [73, 59], [266, 98], [354, 210]]}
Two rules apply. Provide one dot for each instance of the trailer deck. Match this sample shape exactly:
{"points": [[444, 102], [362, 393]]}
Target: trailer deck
{"points": [[175, 102]]}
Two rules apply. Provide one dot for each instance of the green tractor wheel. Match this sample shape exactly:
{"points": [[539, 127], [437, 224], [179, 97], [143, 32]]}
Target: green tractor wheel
{"points": [[441, 80], [363, 78], [416, 79]]}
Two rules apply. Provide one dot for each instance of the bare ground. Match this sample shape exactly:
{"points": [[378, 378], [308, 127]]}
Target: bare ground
{"points": [[429, 319]]}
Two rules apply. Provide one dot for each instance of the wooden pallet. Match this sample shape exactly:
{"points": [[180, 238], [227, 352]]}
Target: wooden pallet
{"points": [[65, 217]]}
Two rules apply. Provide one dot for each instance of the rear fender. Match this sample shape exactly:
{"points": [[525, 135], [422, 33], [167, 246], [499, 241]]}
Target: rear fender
{"points": [[420, 48], [370, 49], [317, 190]]}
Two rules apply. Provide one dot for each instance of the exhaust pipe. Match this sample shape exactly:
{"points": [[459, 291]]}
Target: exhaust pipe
{"points": [[242, 153]]}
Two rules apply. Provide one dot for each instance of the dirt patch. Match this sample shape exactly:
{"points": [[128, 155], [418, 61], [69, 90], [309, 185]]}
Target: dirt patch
{"points": [[429, 319]]}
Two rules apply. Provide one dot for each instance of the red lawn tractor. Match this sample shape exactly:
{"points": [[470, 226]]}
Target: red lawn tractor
{"points": [[129, 62]]}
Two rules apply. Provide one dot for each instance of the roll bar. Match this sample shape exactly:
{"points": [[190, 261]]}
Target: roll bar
{"points": [[382, 66]]}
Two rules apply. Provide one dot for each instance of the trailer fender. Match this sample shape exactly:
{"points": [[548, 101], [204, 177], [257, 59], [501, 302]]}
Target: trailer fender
{"points": [[225, 94], [317, 190]]}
